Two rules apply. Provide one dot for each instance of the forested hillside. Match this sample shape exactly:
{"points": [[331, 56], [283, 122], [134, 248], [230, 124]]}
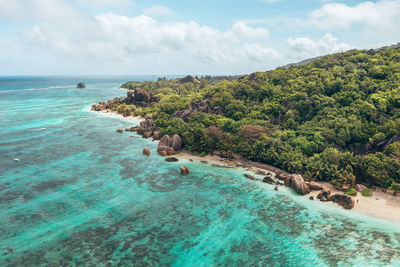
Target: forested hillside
{"points": [[334, 119]]}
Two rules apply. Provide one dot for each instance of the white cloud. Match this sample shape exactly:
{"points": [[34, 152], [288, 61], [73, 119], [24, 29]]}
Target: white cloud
{"points": [[98, 4], [271, 1], [306, 47], [240, 28], [258, 53], [60, 32], [383, 14], [158, 11]]}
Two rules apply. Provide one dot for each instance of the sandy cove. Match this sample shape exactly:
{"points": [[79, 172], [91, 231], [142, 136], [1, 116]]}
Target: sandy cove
{"points": [[380, 205]]}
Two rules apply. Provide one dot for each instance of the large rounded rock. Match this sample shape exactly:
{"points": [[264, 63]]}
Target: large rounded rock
{"points": [[142, 95], [315, 186], [268, 180], [134, 129], [360, 188], [347, 202], [120, 131], [156, 135], [175, 142], [163, 153], [130, 93], [163, 144], [297, 182], [140, 131], [324, 195], [147, 134]]}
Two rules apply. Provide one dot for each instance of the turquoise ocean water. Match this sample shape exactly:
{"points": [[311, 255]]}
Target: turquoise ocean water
{"points": [[75, 192]]}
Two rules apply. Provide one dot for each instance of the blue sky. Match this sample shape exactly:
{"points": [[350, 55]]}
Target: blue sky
{"points": [[86, 37]]}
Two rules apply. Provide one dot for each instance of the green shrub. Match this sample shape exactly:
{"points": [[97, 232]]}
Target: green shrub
{"points": [[351, 192], [366, 192], [202, 154]]}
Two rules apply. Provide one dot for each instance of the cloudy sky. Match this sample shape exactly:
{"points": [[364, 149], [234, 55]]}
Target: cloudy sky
{"points": [[86, 37]]}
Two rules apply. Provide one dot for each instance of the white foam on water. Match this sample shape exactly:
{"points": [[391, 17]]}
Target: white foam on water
{"points": [[38, 129]]}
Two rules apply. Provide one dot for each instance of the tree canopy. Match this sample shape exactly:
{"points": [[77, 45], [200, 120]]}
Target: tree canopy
{"points": [[329, 119]]}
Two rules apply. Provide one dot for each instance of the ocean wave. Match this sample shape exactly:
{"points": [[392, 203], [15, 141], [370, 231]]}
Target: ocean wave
{"points": [[38, 129], [39, 89]]}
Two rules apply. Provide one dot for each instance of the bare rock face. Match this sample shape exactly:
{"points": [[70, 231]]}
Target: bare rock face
{"points": [[360, 188], [268, 180], [140, 131], [324, 195], [199, 106], [297, 182], [171, 145], [147, 134], [315, 186], [113, 103], [250, 177], [189, 79], [164, 141], [134, 129], [383, 145], [282, 175], [99, 107], [184, 170], [156, 135], [163, 144], [347, 202], [172, 159], [146, 128], [163, 153], [146, 152], [175, 142], [140, 97], [183, 114]]}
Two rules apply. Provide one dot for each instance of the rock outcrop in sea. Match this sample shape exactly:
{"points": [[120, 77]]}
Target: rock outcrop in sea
{"points": [[146, 152], [81, 85], [184, 170], [138, 97]]}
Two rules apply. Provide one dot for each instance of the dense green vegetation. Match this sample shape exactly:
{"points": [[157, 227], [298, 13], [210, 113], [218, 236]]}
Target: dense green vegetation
{"points": [[351, 192], [366, 192], [327, 119]]}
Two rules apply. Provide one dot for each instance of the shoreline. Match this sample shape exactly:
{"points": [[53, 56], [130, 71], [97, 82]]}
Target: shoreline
{"points": [[116, 115], [380, 205]]}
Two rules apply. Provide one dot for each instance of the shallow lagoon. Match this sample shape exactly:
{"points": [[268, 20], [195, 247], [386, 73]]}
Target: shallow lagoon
{"points": [[83, 194]]}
